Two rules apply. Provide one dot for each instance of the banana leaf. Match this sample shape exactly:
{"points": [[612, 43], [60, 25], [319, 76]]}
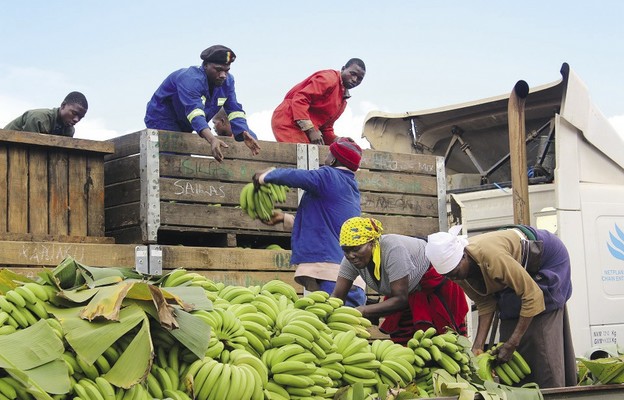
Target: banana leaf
{"points": [[90, 339], [606, 370], [135, 362], [8, 280], [33, 357]]}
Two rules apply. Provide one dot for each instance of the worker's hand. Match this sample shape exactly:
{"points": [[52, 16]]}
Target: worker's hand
{"points": [[276, 218], [315, 136], [251, 143], [477, 351], [256, 177], [216, 146], [504, 352], [215, 143]]}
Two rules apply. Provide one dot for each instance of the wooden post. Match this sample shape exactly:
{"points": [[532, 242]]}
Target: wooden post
{"points": [[517, 153]]}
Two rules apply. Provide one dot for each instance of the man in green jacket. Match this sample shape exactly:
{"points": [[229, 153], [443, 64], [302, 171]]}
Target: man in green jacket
{"points": [[56, 121]]}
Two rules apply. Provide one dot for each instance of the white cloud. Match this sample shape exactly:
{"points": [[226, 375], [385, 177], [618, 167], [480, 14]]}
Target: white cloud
{"points": [[11, 108], [94, 129]]}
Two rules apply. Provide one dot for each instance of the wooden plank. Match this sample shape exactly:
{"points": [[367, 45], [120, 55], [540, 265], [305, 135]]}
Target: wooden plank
{"points": [[188, 167], [409, 226], [94, 185], [58, 169], [124, 146], [211, 192], [122, 216], [396, 162], [131, 234], [197, 215], [17, 187], [77, 198], [41, 139], [38, 190], [391, 182], [31, 237], [212, 258], [4, 170], [123, 193], [190, 143], [123, 169], [402, 204], [50, 254]]}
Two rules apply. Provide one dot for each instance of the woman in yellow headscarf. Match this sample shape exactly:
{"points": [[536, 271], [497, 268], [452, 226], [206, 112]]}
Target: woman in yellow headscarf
{"points": [[416, 296]]}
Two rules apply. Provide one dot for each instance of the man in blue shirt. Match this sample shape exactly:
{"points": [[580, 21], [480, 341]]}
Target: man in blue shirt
{"points": [[188, 98], [331, 197]]}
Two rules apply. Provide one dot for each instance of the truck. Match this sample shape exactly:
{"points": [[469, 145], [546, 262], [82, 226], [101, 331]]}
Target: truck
{"points": [[575, 174]]}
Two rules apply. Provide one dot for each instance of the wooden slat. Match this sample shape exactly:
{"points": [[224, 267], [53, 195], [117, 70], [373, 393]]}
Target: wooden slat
{"points": [[94, 185], [77, 198], [124, 146], [190, 143], [188, 167], [131, 234], [123, 193], [390, 182], [409, 226], [395, 162], [31, 237], [18, 189], [209, 216], [41, 139], [123, 169], [122, 216], [50, 254], [208, 258], [58, 166], [211, 192], [4, 170], [399, 204], [38, 190]]}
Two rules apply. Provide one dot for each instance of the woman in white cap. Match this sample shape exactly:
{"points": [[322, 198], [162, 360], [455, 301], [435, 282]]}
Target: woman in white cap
{"points": [[416, 296], [490, 267]]}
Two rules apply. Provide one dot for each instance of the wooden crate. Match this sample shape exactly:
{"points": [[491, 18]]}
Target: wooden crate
{"points": [[51, 188], [164, 187]]}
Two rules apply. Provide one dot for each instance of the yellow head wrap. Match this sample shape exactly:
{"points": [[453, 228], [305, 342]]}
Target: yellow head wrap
{"points": [[357, 231]]}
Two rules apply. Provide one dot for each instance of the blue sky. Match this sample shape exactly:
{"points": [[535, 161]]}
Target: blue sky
{"points": [[419, 55]]}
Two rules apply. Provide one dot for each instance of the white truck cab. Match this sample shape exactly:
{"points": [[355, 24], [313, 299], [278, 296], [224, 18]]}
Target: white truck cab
{"points": [[575, 162]]}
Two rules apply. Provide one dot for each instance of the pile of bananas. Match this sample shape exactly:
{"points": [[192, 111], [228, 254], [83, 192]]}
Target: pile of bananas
{"points": [[266, 342], [258, 203], [509, 373], [433, 351]]}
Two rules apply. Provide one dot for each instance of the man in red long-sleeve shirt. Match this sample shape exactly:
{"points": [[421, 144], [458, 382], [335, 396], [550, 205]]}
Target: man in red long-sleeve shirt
{"points": [[311, 107]]}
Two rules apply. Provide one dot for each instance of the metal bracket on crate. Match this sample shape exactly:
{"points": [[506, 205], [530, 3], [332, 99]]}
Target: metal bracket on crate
{"points": [[150, 187], [148, 259]]}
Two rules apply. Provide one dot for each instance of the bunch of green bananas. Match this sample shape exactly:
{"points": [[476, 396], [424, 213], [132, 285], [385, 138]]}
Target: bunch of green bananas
{"points": [[359, 361], [293, 372], [397, 367], [302, 327], [508, 373], [432, 351], [258, 202], [23, 306]]}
